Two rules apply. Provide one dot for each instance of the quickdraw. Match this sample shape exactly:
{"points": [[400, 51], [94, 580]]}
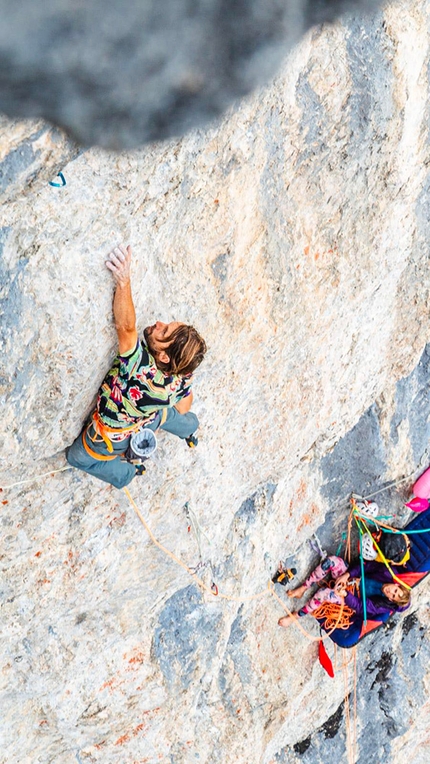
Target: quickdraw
{"points": [[361, 522], [194, 525]]}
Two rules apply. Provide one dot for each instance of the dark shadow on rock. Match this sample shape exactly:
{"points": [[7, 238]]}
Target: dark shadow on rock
{"points": [[118, 74]]}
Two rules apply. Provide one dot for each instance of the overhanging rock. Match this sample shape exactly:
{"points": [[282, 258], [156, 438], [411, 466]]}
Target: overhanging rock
{"points": [[117, 74]]}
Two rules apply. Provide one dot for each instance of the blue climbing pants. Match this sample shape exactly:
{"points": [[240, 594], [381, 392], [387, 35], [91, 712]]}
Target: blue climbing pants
{"points": [[118, 471]]}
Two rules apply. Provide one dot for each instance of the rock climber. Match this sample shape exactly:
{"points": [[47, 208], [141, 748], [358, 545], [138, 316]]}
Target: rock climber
{"points": [[149, 385], [383, 593]]}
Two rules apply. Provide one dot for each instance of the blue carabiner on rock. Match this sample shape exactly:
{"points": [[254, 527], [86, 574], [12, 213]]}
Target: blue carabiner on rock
{"points": [[58, 185]]}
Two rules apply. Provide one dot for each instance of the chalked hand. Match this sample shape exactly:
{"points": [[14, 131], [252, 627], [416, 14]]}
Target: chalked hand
{"points": [[119, 262]]}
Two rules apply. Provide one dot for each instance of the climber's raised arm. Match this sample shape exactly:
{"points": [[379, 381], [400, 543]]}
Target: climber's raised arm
{"points": [[148, 387], [119, 263]]}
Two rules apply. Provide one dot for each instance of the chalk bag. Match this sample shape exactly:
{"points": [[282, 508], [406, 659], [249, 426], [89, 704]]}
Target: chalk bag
{"points": [[142, 446]]}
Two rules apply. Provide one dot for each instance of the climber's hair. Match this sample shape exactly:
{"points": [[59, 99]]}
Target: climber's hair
{"points": [[186, 350], [405, 597]]}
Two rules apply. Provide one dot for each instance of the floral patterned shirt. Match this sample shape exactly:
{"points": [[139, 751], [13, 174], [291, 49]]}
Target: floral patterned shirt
{"points": [[134, 389]]}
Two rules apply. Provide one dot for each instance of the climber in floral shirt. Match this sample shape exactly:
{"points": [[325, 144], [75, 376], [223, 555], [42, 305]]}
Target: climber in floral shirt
{"points": [[136, 389], [149, 385]]}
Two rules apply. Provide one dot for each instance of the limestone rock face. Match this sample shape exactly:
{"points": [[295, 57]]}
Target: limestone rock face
{"points": [[118, 73], [31, 151], [295, 237]]}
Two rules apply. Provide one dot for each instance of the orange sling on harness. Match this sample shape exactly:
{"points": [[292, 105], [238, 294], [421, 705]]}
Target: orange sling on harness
{"points": [[94, 454], [102, 430]]}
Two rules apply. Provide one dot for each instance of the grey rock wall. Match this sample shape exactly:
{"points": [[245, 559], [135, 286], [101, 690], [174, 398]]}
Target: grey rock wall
{"points": [[30, 151], [295, 237], [392, 694], [391, 675], [117, 74]]}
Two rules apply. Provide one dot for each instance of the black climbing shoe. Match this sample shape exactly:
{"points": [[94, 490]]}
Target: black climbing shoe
{"points": [[140, 469], [192, 441], [283, 575]]}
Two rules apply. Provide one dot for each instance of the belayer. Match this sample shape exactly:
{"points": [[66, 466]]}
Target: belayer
{"points": [[149, 385], [383, 593]]}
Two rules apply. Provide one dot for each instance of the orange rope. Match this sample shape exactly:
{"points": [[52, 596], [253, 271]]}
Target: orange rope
{"points": [[348, 538], [337, 616], [299, 626]]}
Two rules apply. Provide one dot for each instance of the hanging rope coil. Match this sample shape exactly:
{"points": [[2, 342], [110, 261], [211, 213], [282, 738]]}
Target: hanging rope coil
{"points": [[335, 616]]}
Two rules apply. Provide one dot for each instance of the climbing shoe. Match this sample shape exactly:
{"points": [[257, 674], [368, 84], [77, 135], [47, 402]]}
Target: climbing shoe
{"points": [[140, 469], [192, 441], [283, 575]]}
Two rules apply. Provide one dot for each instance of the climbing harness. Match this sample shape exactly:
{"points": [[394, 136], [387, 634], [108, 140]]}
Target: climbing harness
{"points": [[105, 432], [102, 432], [94, 454]]}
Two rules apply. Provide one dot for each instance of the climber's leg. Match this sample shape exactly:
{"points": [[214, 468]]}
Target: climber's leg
{"points": [[115, 471], [181, 425]]}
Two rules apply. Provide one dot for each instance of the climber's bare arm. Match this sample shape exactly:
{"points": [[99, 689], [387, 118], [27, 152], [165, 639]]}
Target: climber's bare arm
{"points": [[340, 583], [185, 404], [119, 262]]}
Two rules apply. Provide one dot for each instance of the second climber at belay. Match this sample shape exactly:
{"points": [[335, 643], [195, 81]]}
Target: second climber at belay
{"points": [[149, 385]]}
